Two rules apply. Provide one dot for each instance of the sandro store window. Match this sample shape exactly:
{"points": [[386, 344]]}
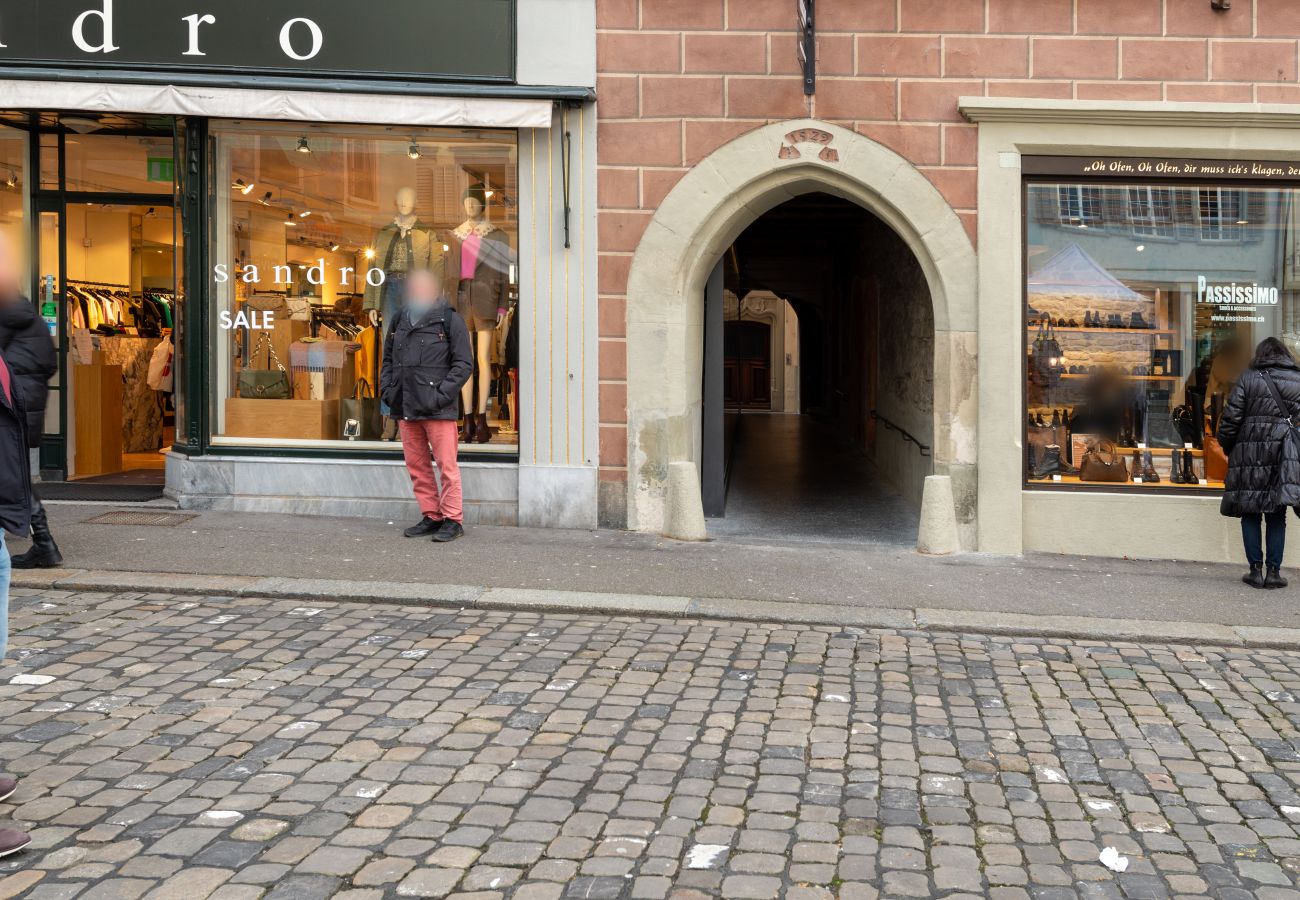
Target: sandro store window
{"points": [[1145, 298], [316, 231]]}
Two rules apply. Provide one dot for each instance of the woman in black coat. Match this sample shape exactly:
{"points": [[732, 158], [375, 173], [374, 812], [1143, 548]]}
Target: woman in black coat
{"points": [[1262, 480], [27, 348]]}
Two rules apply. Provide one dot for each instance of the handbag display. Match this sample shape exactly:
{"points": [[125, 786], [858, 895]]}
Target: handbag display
{"points": [[268, 383], [1102, 463], [363, 410]]}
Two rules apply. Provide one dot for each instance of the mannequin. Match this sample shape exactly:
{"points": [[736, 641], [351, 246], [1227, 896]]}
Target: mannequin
{"points": [[402, 246], [477, 266]]}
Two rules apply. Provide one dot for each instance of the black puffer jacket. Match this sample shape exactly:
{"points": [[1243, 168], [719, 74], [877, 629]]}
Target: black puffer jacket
{"points": [[426, 365], [26, 345], [15, 474], [1251, 431]]}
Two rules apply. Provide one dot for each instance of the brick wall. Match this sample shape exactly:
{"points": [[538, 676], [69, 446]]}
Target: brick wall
{"points": [[679, 78]]}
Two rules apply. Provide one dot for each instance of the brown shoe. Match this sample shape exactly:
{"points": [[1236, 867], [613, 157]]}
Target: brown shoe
{"points": [[12, 840], [8, 785], [482, 433]]}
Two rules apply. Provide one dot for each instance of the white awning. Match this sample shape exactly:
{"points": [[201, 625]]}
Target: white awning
{"points": [[289, 106]]}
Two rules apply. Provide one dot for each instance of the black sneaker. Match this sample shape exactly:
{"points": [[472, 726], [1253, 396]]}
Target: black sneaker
{"points": [[425, 528], [448, 532]]}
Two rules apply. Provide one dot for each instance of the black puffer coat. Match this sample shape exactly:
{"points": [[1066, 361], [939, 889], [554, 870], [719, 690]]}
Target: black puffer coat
{"points": [[27, 347], [15, 475], [426, 365], [1251, 431]]}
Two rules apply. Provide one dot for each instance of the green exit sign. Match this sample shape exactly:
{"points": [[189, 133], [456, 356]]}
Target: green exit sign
{"points": [[162, 168]]}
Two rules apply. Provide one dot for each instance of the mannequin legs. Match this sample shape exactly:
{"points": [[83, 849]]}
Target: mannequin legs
{"points": [[476, 427]]}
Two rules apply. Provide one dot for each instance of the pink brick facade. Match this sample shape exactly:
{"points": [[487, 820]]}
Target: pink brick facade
{"points": [[680, 78]]}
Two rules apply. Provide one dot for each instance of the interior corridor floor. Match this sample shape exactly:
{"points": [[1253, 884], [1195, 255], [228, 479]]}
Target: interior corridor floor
{"points": [[793, 479]]}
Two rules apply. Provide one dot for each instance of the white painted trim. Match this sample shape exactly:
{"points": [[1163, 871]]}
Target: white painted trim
{"points": [[1115, 112]]}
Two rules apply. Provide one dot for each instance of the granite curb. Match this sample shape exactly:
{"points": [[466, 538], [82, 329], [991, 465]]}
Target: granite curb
{"points": [[526, 599]]}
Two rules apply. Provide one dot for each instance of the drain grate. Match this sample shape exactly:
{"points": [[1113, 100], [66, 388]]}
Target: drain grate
{"points": [[162, 519]]}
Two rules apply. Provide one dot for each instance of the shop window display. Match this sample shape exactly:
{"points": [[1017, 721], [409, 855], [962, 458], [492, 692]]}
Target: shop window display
{"points": [[316, 234], [1143, 306]]}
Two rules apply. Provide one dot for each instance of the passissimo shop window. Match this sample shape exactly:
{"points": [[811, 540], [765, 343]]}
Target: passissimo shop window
{"points": [[1148, 285], [316, 232]]}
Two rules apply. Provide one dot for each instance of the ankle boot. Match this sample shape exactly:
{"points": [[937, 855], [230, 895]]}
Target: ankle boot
{"points": [[43, 554], [467, 429], [1149, 473], [482, 433], [390, 429], [1135, 470], [1274, 580], [1189, 473], [1255, 577]]}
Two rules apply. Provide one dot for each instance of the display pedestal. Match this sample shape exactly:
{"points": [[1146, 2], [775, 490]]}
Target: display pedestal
{"points": [[97, 408], [307, 420]]}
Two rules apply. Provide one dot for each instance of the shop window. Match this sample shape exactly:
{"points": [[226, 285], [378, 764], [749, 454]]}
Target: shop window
{"points": [[316, 231], [1136, 335], [119, 164]]}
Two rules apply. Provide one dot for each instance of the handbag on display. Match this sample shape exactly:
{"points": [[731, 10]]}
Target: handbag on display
{"points": [[1102, 463], [362, 408], [299, 309], [268, 383]]}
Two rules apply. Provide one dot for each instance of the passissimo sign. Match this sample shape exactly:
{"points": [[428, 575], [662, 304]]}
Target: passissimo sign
{"points": [[457, 39]]}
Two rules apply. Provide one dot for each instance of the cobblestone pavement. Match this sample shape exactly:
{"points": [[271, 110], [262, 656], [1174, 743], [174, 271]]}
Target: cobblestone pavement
{"points": [[174, 747]]}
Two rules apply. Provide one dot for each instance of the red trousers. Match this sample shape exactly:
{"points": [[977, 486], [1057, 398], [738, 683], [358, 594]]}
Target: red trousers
{"points": [[429, 441]]}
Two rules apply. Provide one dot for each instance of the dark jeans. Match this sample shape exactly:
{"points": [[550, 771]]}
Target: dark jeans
{"points": [[1250, 536]]}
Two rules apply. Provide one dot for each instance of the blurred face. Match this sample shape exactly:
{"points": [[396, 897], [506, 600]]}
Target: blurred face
{"points": [[473, 207], [423, 290], [9, 291]]}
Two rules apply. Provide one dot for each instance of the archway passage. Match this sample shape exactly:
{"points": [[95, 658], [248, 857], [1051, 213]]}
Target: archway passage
{"points": [[828, 359]]}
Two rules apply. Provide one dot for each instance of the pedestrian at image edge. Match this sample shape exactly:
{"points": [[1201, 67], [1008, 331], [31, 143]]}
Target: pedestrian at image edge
{"points": [[427, 360], [1263, 481], [32, 359]]}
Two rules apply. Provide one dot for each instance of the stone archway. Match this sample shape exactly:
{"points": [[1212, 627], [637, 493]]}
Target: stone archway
{"points": [[703, 216]]}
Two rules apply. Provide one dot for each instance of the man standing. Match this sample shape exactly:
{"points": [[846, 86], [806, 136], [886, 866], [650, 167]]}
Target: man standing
{"points": [[427, 360], [15, 516], [27, 348]]}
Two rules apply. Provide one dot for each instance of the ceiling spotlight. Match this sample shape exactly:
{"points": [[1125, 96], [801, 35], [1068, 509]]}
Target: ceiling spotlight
{"points": [[266, 199], [1243, 221], [1141, 247], [370, 253], [304, 214], [334, 248], [243, 188], [12, 180], [289, 221], [489, 194], [413, 151], [303, 146], [151, 213]]}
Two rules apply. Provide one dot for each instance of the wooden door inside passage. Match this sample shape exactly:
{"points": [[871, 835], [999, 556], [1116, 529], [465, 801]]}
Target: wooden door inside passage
{"points": [[748, 365]]}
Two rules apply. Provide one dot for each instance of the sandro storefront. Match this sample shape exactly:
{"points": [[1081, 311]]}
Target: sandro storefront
{"points": [[248, 187]]}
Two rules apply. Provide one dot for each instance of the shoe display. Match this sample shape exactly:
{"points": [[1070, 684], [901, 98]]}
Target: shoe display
{"points": [[1135, 469], [482, 433], [1176, 467], [1255, 577], [448, 532], [1189, 471], [1274, 580], [1149, 473], [1136, 321], [423, 528]]}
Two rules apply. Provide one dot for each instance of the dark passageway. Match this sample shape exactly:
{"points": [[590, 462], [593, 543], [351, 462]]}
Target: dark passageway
{"points": [[830, 330]]}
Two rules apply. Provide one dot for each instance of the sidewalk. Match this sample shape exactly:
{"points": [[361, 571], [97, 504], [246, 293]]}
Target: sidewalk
{"points": [[866, 585]]}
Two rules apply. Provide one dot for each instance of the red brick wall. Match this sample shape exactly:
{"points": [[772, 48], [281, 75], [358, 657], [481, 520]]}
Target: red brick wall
{"points": [[679, 78]]}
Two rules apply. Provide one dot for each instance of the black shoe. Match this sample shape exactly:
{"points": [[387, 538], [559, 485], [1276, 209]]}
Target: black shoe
{"points": [[1274, 580], [448, 532], [43, 554], [1255, 577], [423, 528]]}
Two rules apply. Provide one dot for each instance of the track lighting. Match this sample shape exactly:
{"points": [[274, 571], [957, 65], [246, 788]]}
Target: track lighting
{"points": [[414, 151], [289, 221], [304, 214], [303, 146], [243, 188], [266, 199]]}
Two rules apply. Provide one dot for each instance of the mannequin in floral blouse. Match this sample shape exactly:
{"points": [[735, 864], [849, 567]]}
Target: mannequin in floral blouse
{"points": [[478, 266]]}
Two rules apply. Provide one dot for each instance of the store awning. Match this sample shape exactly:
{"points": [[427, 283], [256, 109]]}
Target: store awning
{"points": [[279, 105]]}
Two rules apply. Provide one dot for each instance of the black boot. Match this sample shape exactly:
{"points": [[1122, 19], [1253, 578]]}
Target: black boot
{"points": [[1274, 580], [1255, 577], [44, 553], [1176, 467]]}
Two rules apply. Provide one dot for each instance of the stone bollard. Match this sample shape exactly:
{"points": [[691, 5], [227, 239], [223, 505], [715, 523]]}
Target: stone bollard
{"points": [[684, 505], [938, 533]]}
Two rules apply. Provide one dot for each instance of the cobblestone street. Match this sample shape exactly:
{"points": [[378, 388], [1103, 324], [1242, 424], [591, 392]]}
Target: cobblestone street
{"points": [[183, 747]]}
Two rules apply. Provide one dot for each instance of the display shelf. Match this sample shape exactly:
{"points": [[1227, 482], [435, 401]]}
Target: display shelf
{"points": [[1082, 330], [1163, 483], [1077, 377]]}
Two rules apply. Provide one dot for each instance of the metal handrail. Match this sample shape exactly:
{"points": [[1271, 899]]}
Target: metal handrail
{"points": [[907, 436]]}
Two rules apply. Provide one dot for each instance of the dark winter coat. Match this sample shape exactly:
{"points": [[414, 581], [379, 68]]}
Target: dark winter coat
{"points": [[1251, 431], [15, 473], [426, 365], [27, 347]]}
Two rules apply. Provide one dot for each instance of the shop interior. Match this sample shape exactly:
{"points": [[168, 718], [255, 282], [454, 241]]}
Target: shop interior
{"points": [[827, 369], [304, 218]]}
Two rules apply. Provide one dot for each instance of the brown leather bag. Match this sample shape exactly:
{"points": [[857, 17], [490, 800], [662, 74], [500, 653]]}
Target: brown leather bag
{"points": [[1103, 463], [1216, 461]]}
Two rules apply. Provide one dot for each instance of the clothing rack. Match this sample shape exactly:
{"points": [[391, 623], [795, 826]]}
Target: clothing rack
{"points": [[105, 284]]}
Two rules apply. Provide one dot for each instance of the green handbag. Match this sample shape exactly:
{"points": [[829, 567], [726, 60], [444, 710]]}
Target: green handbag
{"points": [[268, 383]]}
